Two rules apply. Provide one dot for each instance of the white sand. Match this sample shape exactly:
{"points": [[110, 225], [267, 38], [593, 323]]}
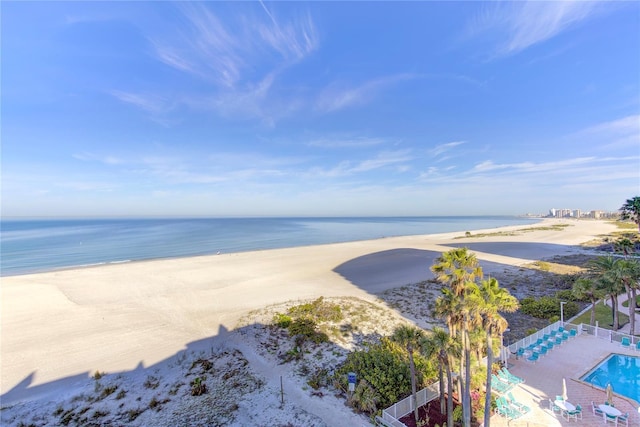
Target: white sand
{"points": [[59, 327]]}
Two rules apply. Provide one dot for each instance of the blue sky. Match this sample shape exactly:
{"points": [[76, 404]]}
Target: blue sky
{"points": [[324, 108]]}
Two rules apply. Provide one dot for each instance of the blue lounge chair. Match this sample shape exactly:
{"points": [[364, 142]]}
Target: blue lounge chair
{"points": [[625, 342], [512, 378], [573, 333], [519, 406], [520, 352], [534, 357], [558, 341], [550, 345], [638, 346]]}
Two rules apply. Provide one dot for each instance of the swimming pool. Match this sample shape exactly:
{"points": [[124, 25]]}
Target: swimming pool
{"points": [[623, 372]]}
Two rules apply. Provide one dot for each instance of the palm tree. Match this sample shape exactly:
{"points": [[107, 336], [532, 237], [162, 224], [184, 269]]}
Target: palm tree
{"points": [[410, 337], [491, 300], [458, 269], [631, 210], [441, 345], [607, 273], [629, 273], [625, 246], [585, 287]]}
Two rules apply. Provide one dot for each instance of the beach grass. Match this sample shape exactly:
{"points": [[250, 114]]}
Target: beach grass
{"points": [[518, 232]]}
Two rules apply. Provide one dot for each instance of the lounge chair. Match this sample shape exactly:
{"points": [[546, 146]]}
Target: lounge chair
{"points": [[573, 333], [558, 341], [638, 346], [534, 357], [503, 408], [512, 378], [519, 406], [625, 342], [499, 386], [520, 352], [575, 414], [543, 350], [596, 411], [550, 345]]}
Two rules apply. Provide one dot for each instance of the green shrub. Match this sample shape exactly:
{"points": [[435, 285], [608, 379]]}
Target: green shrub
{"points": [[198, 387], [307, 328], [319, 310], [547, 307], [282, 320], [385, 369]]}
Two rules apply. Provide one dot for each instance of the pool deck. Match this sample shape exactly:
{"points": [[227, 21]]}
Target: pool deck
{"points": [[543, 381]]}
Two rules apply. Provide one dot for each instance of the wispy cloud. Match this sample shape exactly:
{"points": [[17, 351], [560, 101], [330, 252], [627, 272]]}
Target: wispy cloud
{"points": [[522, 24], [438, 150], [150, 103], [222, 50], [337, 97], [618, 133], [384, 159], [346, 142]]}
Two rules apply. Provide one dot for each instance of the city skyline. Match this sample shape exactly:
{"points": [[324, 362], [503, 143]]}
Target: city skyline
{"points": [[318, 109]]}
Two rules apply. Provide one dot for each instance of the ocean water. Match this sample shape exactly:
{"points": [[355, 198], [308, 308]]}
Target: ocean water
{"points": [[28, 246]]}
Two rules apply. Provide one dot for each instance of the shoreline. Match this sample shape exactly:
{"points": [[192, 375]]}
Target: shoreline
{"points": [[69, 323], [10, 271]]}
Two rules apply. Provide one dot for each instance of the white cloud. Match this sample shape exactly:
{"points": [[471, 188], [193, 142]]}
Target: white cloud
{"points": [[443, 148], [522, 24], [346, 142], [337, 97]]}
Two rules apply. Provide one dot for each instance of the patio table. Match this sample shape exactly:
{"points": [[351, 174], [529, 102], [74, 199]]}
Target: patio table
{"points": [[564, 405], [609, 410]]}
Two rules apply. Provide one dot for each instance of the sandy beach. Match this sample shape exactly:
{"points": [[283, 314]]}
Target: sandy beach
{"points": [[60, 327]]}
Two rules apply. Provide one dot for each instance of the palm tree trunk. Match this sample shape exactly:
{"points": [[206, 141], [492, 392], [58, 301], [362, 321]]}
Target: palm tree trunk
{"points": [[487, 399], [632, 312], [616, 321], [441, 380], [412, 367], [449, 396], [466, 401]]}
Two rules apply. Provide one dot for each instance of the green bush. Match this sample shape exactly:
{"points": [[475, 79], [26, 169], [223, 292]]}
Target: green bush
{"points": [[547, 307], [384, 367], [319, 310], [282, 320], [307, 329]]}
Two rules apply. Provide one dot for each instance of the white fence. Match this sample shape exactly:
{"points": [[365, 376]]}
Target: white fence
{"points": [[391, 416]]}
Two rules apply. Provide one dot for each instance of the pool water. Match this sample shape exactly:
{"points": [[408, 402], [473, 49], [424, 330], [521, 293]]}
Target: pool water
{"points": [[623, 372]]}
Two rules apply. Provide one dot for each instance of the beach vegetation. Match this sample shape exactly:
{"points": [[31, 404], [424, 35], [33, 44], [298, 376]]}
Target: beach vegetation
{"points": [[319, 310], [383, 367], [630, 210], [121, 394], [151, 382], [198, 386], [282, 320], [97, 375], [132, 414], [99, 414], [546, 307], [108, 390]]}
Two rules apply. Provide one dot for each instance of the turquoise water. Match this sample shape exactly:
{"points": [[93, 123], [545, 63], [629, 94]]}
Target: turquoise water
{"points": [[41, 245], [623, 372]]}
